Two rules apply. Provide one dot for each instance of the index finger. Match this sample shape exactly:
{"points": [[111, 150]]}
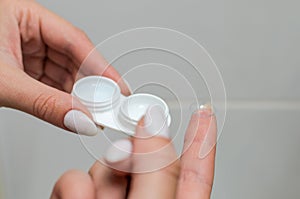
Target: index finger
{"points": [[196, 175]]}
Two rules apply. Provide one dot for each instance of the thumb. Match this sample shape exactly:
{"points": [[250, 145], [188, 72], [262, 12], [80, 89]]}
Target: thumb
{"points": [[47, 103]]}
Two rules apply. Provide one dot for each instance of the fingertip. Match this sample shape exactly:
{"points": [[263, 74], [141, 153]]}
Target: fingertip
{"points": [[110, 72], [204, 111], [152, 150], [80, 123], [153, 124], [125, 87], [79, 120]]}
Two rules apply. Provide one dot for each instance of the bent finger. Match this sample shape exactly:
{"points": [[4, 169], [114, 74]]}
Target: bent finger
{"points": [[74, 43]]}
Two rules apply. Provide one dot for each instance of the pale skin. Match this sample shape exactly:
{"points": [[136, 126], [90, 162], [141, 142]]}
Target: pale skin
{"points": [[40, 58], [188, 177]]}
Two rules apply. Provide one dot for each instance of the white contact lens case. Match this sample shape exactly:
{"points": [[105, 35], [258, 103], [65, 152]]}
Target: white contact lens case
{"points": [[109, 108]]}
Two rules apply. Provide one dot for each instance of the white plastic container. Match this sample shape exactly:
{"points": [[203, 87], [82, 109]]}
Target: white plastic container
{"points": [[103, 98]]}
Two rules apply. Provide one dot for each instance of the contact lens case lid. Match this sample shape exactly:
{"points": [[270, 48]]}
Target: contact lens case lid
{"points": [[103, 98]]}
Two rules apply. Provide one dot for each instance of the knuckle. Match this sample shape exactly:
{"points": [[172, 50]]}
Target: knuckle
{"points": [[26, 26], [44, 106], [71, 40], [194, 176], [82, 33], [68, 46]]}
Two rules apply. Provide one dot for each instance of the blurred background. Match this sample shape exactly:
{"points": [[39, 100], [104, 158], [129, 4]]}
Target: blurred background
{"points": [[255, 44]]}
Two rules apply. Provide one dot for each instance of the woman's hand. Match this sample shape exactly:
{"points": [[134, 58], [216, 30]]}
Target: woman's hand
{"points": [[148, 167], [40, 57]]}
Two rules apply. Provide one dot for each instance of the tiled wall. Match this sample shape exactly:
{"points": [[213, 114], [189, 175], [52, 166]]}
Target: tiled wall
{"points": [[255, 45]]}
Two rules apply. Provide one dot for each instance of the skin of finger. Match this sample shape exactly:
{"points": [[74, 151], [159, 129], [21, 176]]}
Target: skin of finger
{"points": [[92, 66], [74, 185], [109, 183], [47, 80], [33, 66], [59, 75], [56, 33], [61, 33], [38, 99], [157, 184], [29, 30], [196, 175], [63, 61], [74, 43], [10, 49], [33, 47]]}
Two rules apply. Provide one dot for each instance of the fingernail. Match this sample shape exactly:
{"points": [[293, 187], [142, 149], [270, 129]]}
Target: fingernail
{"points": [[119, 151], [205, 111], [80, 123], [156, 122]]}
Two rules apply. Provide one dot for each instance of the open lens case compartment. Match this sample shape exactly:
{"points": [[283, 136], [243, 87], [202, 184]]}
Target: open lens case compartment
{"points": [[109, 108]]}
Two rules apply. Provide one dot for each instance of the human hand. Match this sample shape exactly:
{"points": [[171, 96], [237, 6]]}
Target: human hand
{"points": [[40, 58], [148, 167]]}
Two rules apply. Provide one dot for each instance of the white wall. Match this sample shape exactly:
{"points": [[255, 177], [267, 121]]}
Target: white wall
{"points": [[255, 43]]}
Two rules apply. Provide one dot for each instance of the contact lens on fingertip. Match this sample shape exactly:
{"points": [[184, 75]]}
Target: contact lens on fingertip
{"points": [[103, 98]]}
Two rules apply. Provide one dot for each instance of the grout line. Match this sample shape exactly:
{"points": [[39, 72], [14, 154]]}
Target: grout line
{"points": [[264, 105], [292, 105]]}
